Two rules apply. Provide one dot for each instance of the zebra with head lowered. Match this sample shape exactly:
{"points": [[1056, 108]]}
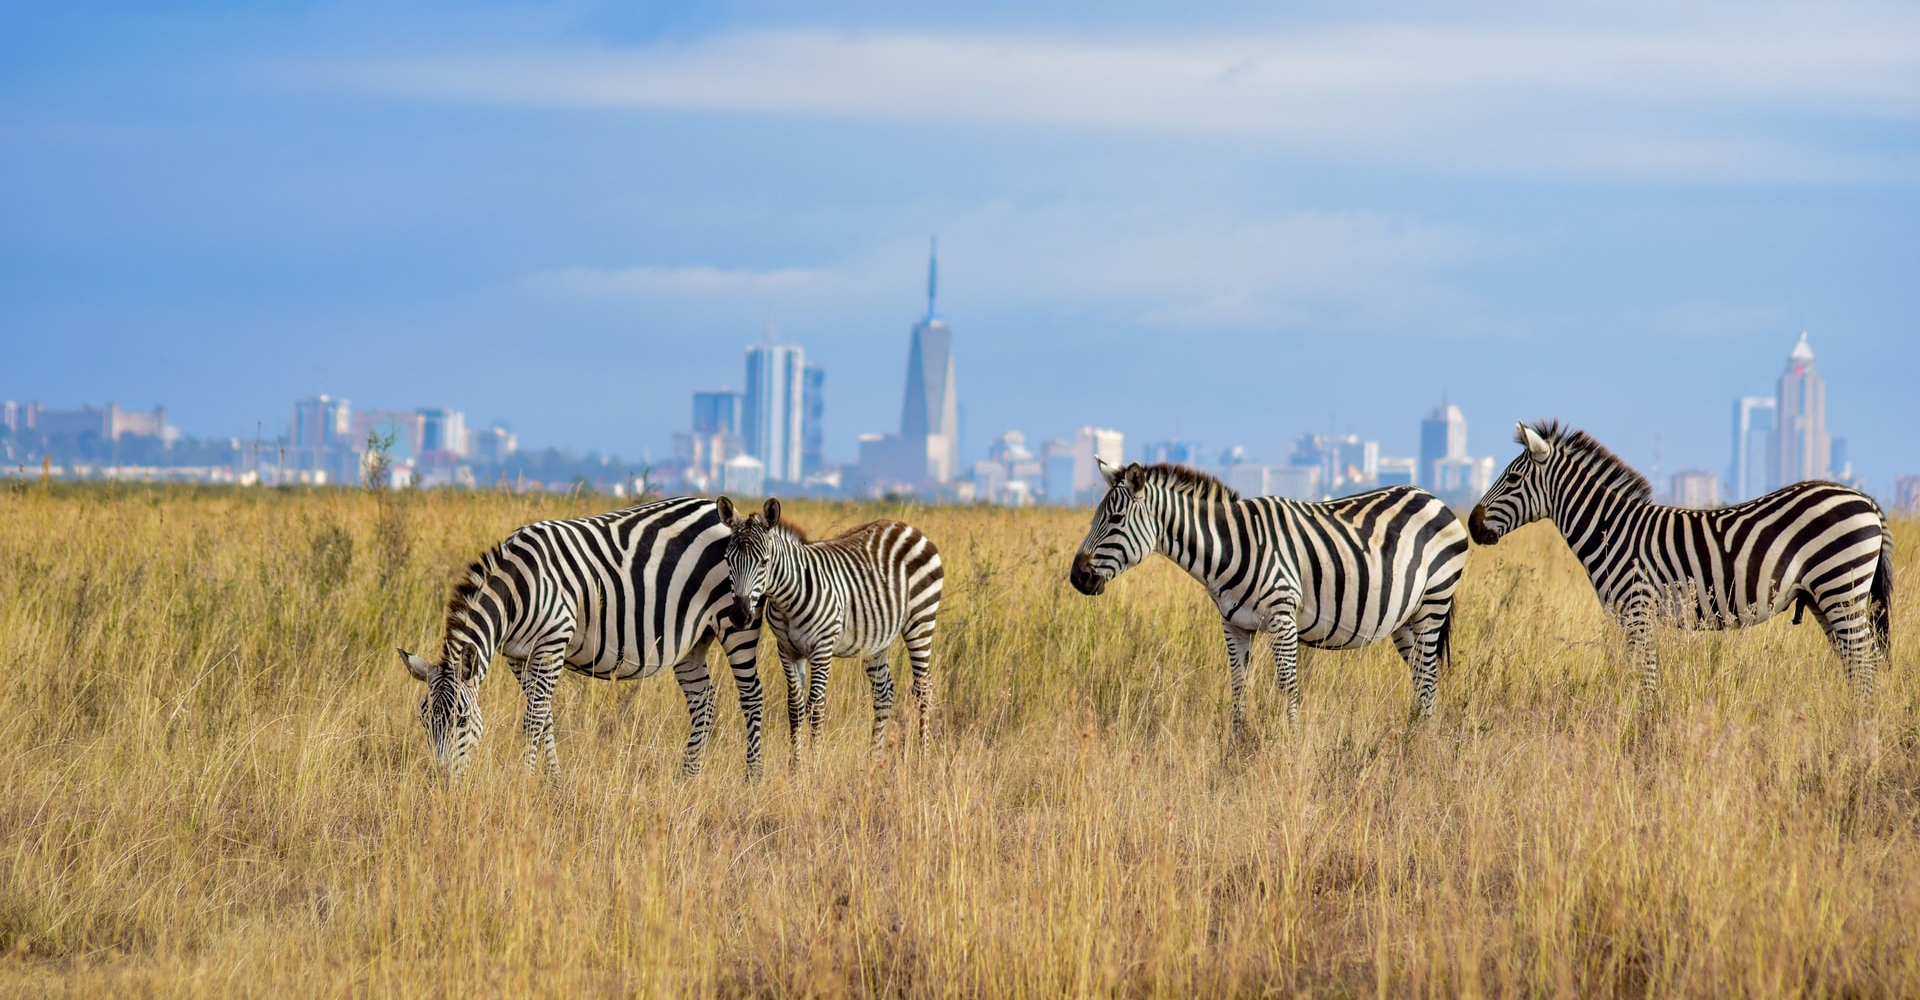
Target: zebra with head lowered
{"points": [[1815, 545], [850, 595], [1334, 575], [616, 596]]}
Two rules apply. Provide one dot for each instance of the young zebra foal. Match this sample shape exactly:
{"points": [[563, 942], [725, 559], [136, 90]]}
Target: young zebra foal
{"points": [[851, 595]]}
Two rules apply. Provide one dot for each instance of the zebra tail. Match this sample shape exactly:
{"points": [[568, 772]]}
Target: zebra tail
{"points": [[1444, 654], [1882, 600]]}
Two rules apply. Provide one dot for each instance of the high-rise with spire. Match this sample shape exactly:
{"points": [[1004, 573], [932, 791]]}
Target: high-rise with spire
{"points": [[1801, 445], [929, 418]]}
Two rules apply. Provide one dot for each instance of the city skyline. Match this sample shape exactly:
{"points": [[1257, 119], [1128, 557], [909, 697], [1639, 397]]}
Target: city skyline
{"points": [[1229, 224], [436, 441]]}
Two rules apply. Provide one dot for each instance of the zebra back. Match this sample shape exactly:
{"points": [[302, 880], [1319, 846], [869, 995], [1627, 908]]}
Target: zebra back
{"points": [[638, 587]]}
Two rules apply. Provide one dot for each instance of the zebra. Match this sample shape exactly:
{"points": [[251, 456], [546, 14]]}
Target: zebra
{"points": [[850, 595], [1812, 545], [615, 596], [1334, 575]]}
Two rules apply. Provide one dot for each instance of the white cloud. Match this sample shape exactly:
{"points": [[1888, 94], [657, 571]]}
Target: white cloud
{"points": [[686, 282], [1171, 270], [1707, 318], [1713, 93]]}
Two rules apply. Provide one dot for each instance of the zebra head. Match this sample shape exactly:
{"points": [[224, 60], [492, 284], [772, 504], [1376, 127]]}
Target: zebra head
{"points": [[450, 713], [1519, 496], [1123, 532], [748, 553]]}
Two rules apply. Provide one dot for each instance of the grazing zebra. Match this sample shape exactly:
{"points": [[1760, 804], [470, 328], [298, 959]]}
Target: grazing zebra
{"points": [[1334, 575], [850, 595], [1811, 545], [615, 596]]}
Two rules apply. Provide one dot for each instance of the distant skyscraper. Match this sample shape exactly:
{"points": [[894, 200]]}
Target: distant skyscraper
{"points": [[443, 430], [1443, 435], [407, 430], [1091, 446], [716, 412], [1906, 494], [1346, 463], [773, 409], [1395, 472], [1753, 448], [813, 410], [1056, 464], [322, 422], [1695, 488], [1802, 443], [491, 445], [929, 418]]}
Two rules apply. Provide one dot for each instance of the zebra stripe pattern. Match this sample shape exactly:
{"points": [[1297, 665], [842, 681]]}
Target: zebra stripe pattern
{"points": [[1333, 575], [1811, 545], [615, 596], [851, 596]]}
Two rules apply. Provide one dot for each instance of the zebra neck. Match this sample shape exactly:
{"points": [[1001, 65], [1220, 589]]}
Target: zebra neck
{"points": [[1588, 521], [472, 639], [1189, 530], [789, 564]]}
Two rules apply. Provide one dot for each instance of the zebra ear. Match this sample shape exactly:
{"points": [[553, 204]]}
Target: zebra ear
{"points": [[416, 666], [1537, 447], [725, 507], [1132, 475], [1107, 472], [772, 511]]}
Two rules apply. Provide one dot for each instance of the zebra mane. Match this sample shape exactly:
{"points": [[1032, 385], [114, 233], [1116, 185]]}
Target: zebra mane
{"points": [[466, 587], [1188, 481], [787, 525], [1615, 473]]}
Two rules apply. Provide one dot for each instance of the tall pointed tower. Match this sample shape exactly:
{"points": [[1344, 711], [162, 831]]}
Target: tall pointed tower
{"points": [[1802, 446], [929, 419]]}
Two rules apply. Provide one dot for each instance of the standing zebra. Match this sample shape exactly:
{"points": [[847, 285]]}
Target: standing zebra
{"points": [[850, 595], [1813, 544], [1334, 575], [615, 596]]}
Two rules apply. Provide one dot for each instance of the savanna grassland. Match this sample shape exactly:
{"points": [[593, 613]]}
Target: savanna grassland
{"points": [[214, 783]]}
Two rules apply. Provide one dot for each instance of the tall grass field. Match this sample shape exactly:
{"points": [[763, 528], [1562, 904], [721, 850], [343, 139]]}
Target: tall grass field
{"points": [[214, 783]]}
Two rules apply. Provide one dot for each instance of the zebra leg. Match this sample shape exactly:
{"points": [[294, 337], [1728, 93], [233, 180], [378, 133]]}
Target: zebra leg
{"points": [[796, 701], [1850, 630], [538, 674], [819, 665], [1239, 647], [696, 685], [1422, 653], [882, 680], [920, 656], [1286, 662], [743, 652], [1636, 619]]}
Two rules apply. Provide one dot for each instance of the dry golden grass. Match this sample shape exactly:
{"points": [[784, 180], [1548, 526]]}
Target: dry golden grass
{"points": [[215, 784]]}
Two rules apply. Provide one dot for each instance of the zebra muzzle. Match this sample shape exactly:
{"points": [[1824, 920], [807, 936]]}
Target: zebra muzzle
{"points": [[743, 615], [1477, 526], [1083, 577]]}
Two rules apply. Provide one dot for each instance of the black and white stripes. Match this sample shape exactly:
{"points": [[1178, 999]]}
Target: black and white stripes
{"points": [[623, 594], [1333, 575], [850, 595], [1815, 546], [617, 596]]}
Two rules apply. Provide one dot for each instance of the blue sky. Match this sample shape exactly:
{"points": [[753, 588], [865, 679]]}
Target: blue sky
{"points": [[1226, 222]]}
